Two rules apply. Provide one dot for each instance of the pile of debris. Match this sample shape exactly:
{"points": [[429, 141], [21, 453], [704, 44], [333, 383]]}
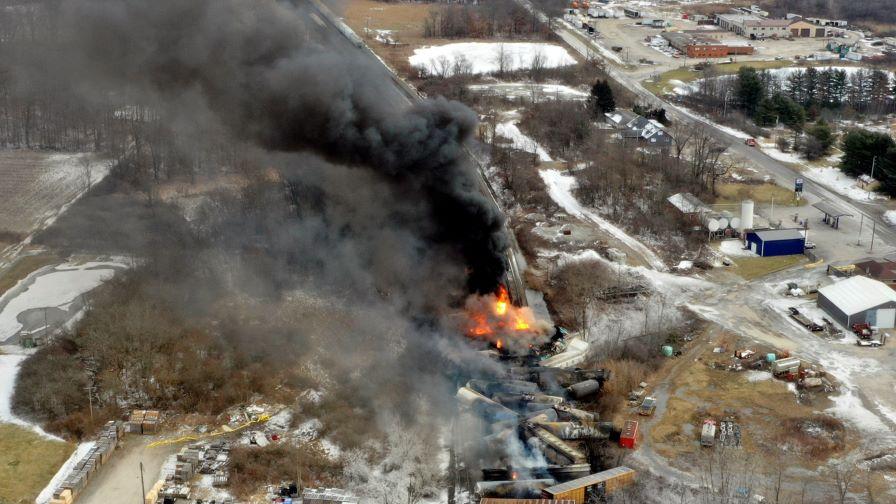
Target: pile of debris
{"points": [[538, 408], [208, 458], [85, 468]]}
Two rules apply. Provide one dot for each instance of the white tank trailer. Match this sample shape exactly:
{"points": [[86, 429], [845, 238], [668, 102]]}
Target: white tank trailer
{"points": [[746, 215]]}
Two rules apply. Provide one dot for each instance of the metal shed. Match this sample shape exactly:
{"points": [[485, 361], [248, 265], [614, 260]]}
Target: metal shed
{"points": [[777, 242], [858, 300]]}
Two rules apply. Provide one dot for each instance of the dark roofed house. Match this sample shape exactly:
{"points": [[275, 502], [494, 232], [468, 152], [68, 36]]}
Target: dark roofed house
{"points": [[883, 270], [647, 132]]}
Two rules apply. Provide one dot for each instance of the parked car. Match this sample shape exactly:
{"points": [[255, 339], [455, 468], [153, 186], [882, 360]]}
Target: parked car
{"points": [[810, 245], [751, 142], [648, 406]]}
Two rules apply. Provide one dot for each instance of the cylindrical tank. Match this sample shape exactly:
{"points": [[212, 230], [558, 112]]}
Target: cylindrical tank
{"points": [[667, 351], [584, 388], [734, 222], [723, 223], [746, 215]]}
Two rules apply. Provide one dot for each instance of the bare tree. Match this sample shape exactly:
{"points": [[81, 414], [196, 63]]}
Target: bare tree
{"points": [[86, 164], [843, 475], [681, 134], [503, 59], [536, 66]]}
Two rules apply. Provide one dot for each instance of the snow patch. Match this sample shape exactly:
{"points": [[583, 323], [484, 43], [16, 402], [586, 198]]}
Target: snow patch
{"points": [[53, 288], [9, 370], [520, 140], [735, 248], [840, 182], [483, 57], [560, 187], [890, 217]]}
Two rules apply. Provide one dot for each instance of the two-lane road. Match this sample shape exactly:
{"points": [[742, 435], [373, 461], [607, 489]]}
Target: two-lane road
{"points": [[782, 173]]}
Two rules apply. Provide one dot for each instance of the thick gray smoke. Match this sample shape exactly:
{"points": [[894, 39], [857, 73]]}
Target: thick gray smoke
{"points": [[373, 212], [251, 69]]}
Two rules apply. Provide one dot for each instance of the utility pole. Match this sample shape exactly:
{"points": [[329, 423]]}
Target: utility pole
{"points": [[873, 229], [142, 486], [772, 214], [861, 221], [873, 163]]}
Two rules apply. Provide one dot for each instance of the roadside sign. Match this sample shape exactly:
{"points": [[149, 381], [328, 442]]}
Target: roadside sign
{"points": [[798, 185]]}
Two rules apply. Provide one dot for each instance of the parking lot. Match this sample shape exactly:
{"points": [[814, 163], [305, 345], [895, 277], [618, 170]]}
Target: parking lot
{"points": [[633, 46]]}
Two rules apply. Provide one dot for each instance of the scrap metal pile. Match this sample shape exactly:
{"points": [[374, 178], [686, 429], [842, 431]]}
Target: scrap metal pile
{"points": [[535, 427]]}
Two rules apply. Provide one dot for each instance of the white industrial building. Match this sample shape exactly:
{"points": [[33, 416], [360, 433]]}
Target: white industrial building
{"points": [[859, 300]]}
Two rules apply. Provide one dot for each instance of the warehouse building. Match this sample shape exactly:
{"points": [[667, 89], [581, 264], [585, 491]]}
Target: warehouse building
{"points": [[803, 29], [859, 300], [702, 46], [754, 27], [591, 488], [777, 242]]}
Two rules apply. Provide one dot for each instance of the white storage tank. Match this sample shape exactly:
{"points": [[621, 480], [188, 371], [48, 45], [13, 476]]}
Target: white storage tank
{"points": [[746, 215]]}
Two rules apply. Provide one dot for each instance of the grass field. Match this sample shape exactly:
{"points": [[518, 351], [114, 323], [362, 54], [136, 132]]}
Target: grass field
{"points": [[662, 84], [27, 463], [734, 193], [749, 268]]}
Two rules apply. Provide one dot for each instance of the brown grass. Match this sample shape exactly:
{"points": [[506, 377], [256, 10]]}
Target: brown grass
{"points": [[762, 193], [766, 410], [27, 463], [750, 268], [22, 268]]}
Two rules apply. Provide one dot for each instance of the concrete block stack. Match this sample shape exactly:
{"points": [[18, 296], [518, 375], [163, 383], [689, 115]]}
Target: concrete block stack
{"points": [[87, 466], [187, 464]]}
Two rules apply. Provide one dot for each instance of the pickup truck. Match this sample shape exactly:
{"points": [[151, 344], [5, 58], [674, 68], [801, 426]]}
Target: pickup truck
{"points": [[648, 406], [868, 343], [751, 142]]}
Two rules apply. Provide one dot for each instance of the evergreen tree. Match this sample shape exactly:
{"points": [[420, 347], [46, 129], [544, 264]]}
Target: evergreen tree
{"points": [[839, 84], [810, 86], [601, 99], [749, 89], [796, 86], [860, 147]]}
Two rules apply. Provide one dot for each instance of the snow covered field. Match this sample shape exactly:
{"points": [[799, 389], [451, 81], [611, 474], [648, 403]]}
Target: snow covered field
{"points": [[560, 187], [483, 57], [840, 182], [51, 287], [37, 185]]}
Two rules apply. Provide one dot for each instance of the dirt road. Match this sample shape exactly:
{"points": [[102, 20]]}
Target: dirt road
{"points": [[119, 480]]}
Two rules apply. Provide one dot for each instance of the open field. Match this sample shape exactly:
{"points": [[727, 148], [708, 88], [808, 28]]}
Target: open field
{"points": [[766, 409], [763, 193], [27, 463], [750, 268], [36, 184], [662, 83]]}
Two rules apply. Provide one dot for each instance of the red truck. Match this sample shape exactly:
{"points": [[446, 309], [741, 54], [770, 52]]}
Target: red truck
{"points": [[629, 437], [751, 142]]}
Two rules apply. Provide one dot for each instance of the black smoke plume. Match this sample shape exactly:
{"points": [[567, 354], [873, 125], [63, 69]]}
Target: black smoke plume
{"points": [[254, 70]]}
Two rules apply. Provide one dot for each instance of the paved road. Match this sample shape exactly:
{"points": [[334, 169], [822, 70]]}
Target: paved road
{"points": [[782, 173]]}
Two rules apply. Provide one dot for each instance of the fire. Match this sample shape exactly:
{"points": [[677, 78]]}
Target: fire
{"points": [[494, 315], [503, 302]]}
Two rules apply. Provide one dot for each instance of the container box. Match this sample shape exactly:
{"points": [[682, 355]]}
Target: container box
{"points": [[629, 437]]}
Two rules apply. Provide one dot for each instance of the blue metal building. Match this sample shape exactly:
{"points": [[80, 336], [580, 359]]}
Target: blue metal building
{"points": [[777, 242]]}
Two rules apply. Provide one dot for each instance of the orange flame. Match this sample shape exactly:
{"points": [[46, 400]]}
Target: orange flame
{"points": [[497, 316]]}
